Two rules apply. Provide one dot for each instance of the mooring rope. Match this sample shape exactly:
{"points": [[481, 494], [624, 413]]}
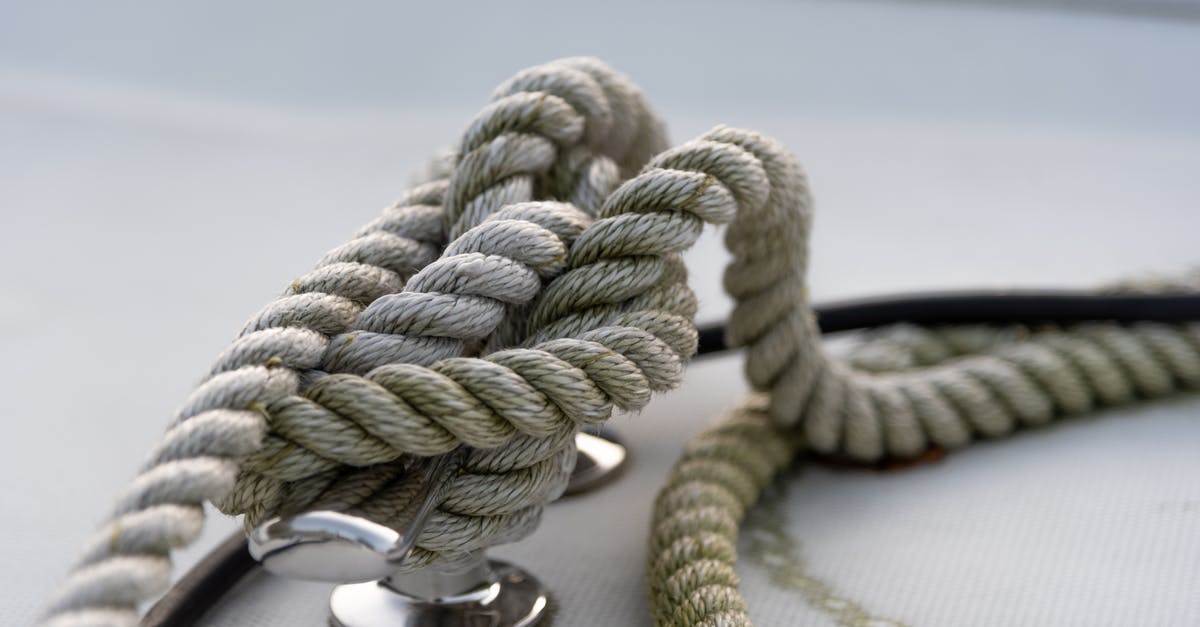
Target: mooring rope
{"points": [[271, 431], [531, 286], [897, 392]]}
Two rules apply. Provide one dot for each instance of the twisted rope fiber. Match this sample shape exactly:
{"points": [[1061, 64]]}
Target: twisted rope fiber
{"points": [[900, 392], [625, 284], [431, 318], [126, 562], [628, 290], [618, 262], [500, 496]]}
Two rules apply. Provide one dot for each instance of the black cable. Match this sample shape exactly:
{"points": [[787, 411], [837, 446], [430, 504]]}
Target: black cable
{"points": [[205, 583], [198, 590], [991, 307]]}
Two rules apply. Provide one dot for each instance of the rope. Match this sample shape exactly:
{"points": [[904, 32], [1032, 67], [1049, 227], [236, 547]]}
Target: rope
{"points": [[530, 286], [968, 382], [897, 393], [271, 432]]}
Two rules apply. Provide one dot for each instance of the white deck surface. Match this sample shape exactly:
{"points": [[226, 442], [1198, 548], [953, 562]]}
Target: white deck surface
{"points": [[165, 172]]}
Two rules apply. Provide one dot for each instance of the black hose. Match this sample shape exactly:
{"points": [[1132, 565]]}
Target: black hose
{"points": [[203, 585], [990, 307]]}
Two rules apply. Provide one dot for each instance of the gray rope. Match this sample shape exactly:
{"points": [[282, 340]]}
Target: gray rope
{"points": [[126, 561], [631, 345], [263, 372], [901, 391], [517, 296], [528, 479], [997, 380]]}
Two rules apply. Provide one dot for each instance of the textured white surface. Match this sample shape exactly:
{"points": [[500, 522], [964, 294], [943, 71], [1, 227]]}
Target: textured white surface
{"points": [[230, 147], [1091, 522]]}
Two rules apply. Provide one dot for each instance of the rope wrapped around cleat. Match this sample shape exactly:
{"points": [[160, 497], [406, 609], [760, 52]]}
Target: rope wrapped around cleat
{"points": [[530, 286]]}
